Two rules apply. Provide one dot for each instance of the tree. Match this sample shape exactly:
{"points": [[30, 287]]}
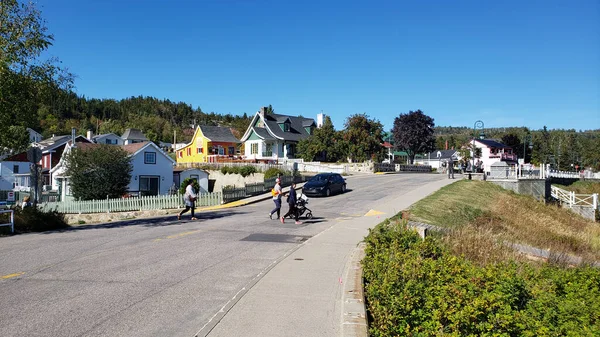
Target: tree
{"points": [[414, 133], [25, 81], [98, 171], [270, 110], [322, 145], [363, 138]]}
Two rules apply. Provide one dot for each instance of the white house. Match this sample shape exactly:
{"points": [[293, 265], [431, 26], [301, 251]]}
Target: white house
{"points": [[437, 158], [132, 136], [14, 174], [34, 136], [107, 138], [152, 172], [493, 151], [201, 176], [274, 136]]}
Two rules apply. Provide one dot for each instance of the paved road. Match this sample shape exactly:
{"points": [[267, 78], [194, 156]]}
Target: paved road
{"points": [[159, 277]]}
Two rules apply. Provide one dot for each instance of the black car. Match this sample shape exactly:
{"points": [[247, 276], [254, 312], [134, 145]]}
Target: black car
{"points": [[325, 184]]}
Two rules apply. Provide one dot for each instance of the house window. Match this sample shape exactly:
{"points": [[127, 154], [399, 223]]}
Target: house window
{"points": [[180, 153], [231, 151], [15, 169], [149, 185], [199, 150], [149, 157], [108, 141], [253, 148], [189, 151], [221, 150]]}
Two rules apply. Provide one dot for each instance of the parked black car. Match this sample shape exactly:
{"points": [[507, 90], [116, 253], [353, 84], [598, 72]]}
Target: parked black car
{"points": [[325, 184]]}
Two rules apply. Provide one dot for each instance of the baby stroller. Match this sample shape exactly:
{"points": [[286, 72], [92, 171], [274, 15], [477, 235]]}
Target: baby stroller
{"points": [[301, 206]]}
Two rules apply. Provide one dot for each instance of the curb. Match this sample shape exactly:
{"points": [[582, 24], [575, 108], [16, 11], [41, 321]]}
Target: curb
{"points": [[354, 314]]}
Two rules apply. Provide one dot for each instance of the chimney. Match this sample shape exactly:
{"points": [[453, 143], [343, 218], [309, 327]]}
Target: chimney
{"points": [[90, 135], [263, 112], [320, 119], [446, 145]]}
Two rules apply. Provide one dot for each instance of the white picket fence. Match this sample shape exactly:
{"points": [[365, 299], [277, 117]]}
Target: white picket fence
{"points": [[129, 204], [572, 199]]}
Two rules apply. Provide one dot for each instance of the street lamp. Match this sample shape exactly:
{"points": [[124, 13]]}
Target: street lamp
{"points": [[477, 125]]}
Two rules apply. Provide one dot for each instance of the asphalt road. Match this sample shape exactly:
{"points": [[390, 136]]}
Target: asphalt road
{"points": [[161, 277]]}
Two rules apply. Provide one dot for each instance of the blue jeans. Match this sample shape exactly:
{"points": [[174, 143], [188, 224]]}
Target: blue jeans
{"points": [[277, 207]]}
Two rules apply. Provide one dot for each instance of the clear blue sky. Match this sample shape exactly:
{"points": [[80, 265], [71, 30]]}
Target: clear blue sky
{"points": [[507, 63]]}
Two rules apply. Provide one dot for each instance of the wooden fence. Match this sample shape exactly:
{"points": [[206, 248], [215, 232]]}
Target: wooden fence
{"points": [[378, 167], [129, 204], [572, 199]]}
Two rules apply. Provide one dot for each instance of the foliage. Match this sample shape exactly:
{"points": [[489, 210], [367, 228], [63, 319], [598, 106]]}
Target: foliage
{"points": [[32, 219], [417, 287], [413, 132], [184, 184], [244, 171], [27, 84], [275, 172], [510, 217], [323, 145], [363, 138], [98, 171]]}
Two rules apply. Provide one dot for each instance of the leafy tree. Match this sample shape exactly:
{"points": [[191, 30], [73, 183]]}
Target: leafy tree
{"points": [[26, 82], [322, 145], [184, 184], [98, 171], [414, 133], [270, 110], [363, 138]]}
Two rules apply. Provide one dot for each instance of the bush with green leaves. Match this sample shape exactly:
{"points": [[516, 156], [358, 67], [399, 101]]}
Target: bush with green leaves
{"points": [[32, 219], [98, 171], [244, 171], [184, 184], [275, 172], [416, 287]]}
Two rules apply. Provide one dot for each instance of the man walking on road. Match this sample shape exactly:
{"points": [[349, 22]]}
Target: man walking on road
{"points": [[292, 203], [450, 168], [276, 192]]}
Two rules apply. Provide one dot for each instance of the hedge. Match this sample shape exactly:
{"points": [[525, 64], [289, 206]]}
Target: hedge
{"points": [[415, 287]]}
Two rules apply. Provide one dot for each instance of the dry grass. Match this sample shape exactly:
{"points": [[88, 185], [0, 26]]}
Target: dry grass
{"points": [[583, 187], [485, 214]]}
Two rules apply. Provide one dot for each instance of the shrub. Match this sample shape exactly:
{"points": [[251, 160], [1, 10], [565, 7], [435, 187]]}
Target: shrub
{"points": [[418, 287], [32, 219], [247, 170], [274, 172], [184, 184]]}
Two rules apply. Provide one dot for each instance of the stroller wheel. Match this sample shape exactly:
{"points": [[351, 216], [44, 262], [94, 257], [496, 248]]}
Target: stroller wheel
{"points": [[309, 215]]}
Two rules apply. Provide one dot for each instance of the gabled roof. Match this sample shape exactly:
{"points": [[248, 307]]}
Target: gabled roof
{"points": [[218, 134], [136, 148], [441, 154], [96, 137], [52, 143], [263, 133], [273, 130], [492, 143], [133, 134]]}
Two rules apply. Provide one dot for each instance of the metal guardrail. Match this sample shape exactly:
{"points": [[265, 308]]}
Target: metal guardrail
{"points": [[11, 222]]}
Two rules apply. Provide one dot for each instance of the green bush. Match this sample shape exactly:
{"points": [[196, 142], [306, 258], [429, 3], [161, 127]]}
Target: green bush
{"points": [[32, 219], [184, 184], [415, 287], [244, 171], [274, 172]]}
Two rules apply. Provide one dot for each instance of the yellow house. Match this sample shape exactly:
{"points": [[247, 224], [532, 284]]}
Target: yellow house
{"points": [[208, 144]]}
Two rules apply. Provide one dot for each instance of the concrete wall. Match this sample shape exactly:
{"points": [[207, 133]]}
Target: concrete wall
{"points": [[586, 212], [538, 188], [237, 180]]}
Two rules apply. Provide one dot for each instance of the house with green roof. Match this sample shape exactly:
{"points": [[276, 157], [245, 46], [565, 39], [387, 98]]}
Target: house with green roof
{"points": [[275, 136]]}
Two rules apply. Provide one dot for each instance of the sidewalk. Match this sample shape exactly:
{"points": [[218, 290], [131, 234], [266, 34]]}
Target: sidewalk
{"points": [[315, 290]]}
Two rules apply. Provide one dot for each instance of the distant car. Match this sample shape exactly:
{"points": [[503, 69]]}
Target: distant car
{"points": [[325, 184]]}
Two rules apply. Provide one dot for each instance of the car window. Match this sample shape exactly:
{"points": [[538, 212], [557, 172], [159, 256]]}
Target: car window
{"points": [[318, 178]]}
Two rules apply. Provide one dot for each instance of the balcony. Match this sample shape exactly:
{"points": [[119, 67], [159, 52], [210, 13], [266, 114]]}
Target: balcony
{"points": [[508, 157]]}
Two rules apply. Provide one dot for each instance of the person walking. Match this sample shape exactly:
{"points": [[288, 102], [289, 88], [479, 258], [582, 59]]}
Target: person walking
{"points": [[292, 198], [276, 192], [190, 200], [450, 168]]}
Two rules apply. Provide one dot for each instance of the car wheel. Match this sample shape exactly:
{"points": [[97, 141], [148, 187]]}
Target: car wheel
{"points": [[344, 188], [327, 192]]}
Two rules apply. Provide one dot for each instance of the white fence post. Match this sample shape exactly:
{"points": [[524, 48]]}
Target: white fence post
{"points": [[595, 200]]}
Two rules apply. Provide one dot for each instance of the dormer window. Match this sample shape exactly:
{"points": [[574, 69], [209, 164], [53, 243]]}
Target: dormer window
{"points": [[285, 126], [309, 129]]}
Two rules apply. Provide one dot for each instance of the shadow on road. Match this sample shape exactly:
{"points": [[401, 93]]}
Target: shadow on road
{"points": [[169, 220]]}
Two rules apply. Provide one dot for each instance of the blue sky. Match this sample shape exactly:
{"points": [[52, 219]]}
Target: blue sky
{"points": [[507, 63]]}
